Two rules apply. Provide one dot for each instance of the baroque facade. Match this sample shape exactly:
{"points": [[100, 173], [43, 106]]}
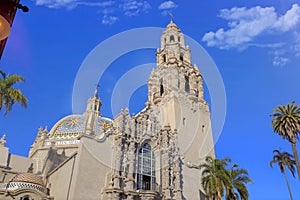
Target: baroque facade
{"points": [[146, 156]]}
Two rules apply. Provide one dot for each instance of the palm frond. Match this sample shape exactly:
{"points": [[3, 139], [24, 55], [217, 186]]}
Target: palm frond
{"points": [[283, 159], [2, 74], [9, 95]]}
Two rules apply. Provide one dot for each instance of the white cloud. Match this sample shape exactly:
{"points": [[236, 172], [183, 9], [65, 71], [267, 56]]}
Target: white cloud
{"points": [[266, 45], [108, 8], [167, 5], [135, 8], [99, 4], [280, 56], [57, 3], [127, 7], [289, 20], [109, 20], [247, 24], [71, 4], [106, 11], [296, 49], [280, 61]]}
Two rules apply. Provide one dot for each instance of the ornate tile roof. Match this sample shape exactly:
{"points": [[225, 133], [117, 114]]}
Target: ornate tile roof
{"points": [[28, 178], [73, 126]]}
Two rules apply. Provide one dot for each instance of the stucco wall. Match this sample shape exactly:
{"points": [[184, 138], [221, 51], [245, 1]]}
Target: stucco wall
{"points": [[90, 173], [60, 179]]}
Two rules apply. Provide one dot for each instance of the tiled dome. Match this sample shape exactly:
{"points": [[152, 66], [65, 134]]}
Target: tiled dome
{"points": [[28, 178], [68, 127], [73, 126]]}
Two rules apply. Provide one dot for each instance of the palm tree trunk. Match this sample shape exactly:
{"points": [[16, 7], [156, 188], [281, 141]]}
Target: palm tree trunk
{"points": [[219, 195], [296, 158], [227, 193], [287, 182]]}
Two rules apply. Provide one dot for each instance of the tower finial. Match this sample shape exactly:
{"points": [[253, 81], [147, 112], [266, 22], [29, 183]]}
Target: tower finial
{"points": [[171, 16], [96, 90]]}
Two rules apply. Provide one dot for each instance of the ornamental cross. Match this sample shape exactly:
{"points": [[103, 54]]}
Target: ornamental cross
{"points": [[171, 15]]}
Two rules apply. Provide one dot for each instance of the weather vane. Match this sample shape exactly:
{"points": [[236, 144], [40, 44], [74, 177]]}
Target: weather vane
{"points": [[171, 15], [96, 90]]}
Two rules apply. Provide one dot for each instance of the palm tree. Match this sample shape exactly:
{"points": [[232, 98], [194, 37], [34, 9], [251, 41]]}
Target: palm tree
{"points": [[284, 159], [217, 178], [239, 178], [286, 123], [9, 95], [214, 176]]}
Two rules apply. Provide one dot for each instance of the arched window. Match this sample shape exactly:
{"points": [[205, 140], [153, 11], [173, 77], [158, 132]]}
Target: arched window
{"points": [[181, 56], [172, 39], [25, 198], [187, 85], [146, 168], [178, 38], [164, 58], [161, 87]]}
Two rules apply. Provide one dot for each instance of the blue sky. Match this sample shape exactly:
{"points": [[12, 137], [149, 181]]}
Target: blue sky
{"points": [[255, 44]]}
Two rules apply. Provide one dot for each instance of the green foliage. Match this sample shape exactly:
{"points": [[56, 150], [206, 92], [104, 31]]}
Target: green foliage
{"points": [[284, 159], [218, 178], [9, 95], [286, 123], [239, 178]]}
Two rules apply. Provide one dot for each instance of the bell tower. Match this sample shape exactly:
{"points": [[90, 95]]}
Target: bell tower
{"points": [[92, 112], [94, 104], [175, 93], [174, 72], [172, 45]]}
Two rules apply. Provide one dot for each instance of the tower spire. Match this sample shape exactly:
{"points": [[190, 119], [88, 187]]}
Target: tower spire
{"points": [[96, 90], [171, 17], [94, 103]]}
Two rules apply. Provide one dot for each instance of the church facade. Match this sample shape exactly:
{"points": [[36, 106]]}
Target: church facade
{"points": [[146, 156]]}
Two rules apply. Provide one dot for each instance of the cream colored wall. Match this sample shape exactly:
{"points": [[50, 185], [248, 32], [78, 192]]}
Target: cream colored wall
{"points": [[20, 163], [59, 180], [195, 138], [40, 155], [192, 123], [12, 164], [6, 175], [3, 156], [91, 169]]}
